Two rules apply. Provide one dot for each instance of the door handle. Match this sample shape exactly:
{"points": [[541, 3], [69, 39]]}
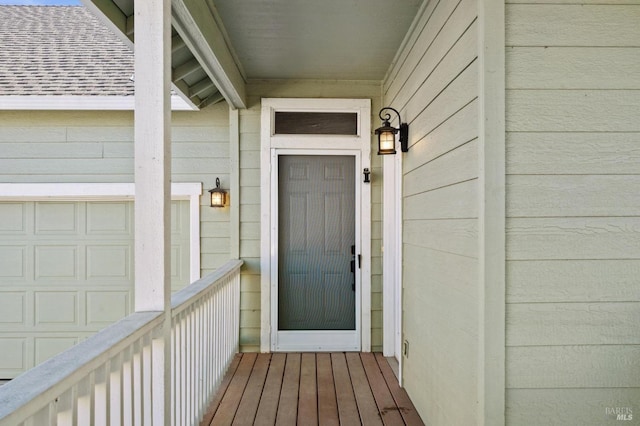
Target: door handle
{"points": [[353, 267]]}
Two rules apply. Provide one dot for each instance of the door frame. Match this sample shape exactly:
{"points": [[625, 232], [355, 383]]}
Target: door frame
{"points": [[272, 145]]}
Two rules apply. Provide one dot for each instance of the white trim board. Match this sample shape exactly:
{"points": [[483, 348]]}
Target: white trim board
{"points": [[359, 146], [392, 258], [190, 191]]}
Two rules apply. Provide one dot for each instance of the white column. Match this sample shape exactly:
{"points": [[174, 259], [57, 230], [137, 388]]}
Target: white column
{"points": [[152, 184], [152, 154]]}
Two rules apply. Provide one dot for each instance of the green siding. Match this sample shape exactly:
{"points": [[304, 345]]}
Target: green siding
{"points": [[435, 87], [573, 220]]}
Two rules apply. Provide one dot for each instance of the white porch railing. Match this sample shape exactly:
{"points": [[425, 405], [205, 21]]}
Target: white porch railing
{"points": [[107, 379]]}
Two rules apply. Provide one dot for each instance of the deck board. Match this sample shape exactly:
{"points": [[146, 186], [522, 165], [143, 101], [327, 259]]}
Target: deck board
{"points": [[347, 408], [229, 404], [381, 394], [268, 407], [226, 380], [253, 391], [310, 389], [367, 408], [404, 404], [288, 406], [308, 395], [327, 404]]}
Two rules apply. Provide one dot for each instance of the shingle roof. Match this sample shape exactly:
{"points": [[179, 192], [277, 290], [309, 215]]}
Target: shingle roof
{"points": [[61, 50]]}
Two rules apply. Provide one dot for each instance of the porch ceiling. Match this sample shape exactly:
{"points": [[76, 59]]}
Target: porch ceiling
{"points": [[218, 45], [311, 39]]}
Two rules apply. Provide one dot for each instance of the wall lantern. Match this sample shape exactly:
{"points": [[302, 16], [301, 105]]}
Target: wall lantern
{"points": [[218, 195], [387, 134]]}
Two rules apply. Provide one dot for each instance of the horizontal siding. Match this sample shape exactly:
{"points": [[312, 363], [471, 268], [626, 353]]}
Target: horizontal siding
{"points": [[573, 111], [578, 153], [573, 226], [561, 407], [597, 25], [573, 68], [553, 324], [573, 195], [565, 281], [435, 87], [569, 366]]}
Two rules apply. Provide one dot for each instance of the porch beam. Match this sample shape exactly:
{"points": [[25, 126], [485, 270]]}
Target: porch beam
{"points": [[201, 30], [152, 172], [113, 18]]}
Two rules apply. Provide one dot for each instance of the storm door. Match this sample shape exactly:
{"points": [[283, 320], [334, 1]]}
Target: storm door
{"points": [[317, 260]]}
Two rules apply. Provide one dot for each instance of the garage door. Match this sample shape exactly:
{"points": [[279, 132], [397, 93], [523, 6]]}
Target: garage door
{"points": [[66, 271]]}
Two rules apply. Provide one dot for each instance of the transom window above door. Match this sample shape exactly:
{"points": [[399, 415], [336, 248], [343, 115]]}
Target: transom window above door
{"points": [[315, 123]]}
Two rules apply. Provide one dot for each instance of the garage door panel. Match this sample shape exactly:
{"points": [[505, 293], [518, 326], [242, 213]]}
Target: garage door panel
{"points": [[176, 218], [13, 219], [56, 307], [109, 218], [106, 307], [56, 262], [12, 308], [13, 356], [109, 263], [13, 262], [56, 218]]}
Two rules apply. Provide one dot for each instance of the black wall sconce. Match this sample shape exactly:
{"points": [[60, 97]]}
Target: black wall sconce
{"points": [[218, 195], [387, 134]]}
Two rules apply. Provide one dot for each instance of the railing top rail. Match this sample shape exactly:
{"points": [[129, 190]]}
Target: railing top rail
{"points": [[53, 377], [183, 298]]}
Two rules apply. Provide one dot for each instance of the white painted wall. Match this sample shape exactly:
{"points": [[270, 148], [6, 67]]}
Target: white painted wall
{"points": [[573, 211]]}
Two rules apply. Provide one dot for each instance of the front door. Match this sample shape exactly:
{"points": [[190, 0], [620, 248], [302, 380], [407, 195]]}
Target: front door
{"points": [[317, 260]]}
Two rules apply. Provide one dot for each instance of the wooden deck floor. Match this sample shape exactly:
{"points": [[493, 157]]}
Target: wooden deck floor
{"points": [[311, 389]]}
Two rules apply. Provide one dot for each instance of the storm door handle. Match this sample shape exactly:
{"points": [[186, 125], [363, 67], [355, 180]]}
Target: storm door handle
{"points": [[353, 267]]}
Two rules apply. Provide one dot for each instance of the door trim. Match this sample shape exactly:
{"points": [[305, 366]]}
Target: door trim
{"points": [[271, 146]]}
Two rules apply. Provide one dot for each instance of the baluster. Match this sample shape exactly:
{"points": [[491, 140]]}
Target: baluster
{"points": [[127, 387], [115, 390], [84, 398], [101, 402], [174, 380], [146, 379]]}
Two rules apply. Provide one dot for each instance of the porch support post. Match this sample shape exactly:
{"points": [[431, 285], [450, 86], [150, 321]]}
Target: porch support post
{"points": [[152, 185]]}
